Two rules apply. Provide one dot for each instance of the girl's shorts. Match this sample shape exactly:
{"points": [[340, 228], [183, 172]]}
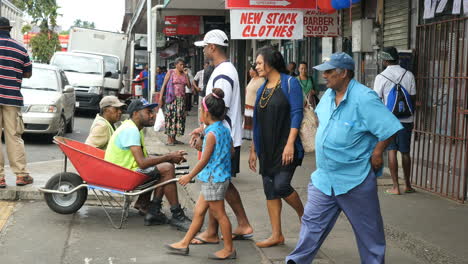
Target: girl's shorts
{"points": [[214, 191]]}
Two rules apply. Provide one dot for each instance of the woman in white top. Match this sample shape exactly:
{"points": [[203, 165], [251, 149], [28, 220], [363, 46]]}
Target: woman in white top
{"points": [[250, 96]]}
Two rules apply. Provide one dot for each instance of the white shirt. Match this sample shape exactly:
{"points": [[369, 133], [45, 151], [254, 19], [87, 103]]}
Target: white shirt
{"points": [[225, 77], [199, 78], [382, 86], [190, 78]]}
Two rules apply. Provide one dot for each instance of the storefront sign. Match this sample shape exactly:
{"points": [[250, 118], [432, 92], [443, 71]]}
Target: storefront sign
{"points": [[182, 25], [317, 24], [170, 31], [271, 4], [170, 20], [248, 24]]}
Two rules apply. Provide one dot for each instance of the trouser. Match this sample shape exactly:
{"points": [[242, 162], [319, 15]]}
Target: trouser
{"points": [[360, 205], [11, 122], [188, 101]]}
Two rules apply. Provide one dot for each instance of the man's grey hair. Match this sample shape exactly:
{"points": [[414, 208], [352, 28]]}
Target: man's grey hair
{"points": [[349, 74]]}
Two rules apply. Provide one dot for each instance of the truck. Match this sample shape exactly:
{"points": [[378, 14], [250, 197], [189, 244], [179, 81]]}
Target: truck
{"points": [[85, 72], [111, 48]]}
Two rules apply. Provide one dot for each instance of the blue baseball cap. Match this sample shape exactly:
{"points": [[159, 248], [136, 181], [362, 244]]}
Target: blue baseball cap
{"points": [[339, 60], [139, 104]]}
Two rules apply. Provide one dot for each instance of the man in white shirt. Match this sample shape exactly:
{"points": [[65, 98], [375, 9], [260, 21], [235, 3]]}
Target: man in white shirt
{"points": [[225, 77], [383, 84], [199, 86]]}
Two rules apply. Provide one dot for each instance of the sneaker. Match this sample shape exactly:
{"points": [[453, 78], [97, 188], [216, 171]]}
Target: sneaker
{"points": [[2, 183], [179, 219], [24, 180]]}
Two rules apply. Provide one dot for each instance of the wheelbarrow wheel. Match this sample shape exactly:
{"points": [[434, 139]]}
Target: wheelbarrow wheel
{"points": [[65, 204]]}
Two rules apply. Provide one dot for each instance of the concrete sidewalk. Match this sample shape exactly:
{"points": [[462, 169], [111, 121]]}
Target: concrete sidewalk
{"points": [[420, 227]]}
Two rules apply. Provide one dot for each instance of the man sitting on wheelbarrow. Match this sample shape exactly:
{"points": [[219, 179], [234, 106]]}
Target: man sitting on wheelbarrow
{"points": [[126, 148]]}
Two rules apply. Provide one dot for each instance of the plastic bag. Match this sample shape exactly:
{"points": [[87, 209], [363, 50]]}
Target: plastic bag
{"points": [[160, 123]]}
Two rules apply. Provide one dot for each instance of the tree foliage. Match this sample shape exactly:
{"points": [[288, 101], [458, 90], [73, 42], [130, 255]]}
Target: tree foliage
{"points": [[26, 28], [83, 24], [44, 46], [44, 14]]}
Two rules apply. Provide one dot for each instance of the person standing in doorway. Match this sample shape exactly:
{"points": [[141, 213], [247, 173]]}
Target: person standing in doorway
{"points": [[225, 76], [292, 69], [384, 83], [188, 90], [308, 85], [14, 66], [250, 96], [172, 98], [277, 118], [354, 130]]}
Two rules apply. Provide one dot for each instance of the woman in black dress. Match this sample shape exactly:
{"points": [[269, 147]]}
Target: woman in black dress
{"points": [[277, 118]]}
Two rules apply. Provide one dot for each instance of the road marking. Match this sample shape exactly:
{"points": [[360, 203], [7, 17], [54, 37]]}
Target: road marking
{"points": [[6, 209]]}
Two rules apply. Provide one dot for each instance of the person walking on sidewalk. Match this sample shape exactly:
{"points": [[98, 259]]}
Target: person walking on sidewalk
{"points": [[172, 100], [354, 129], [14, 66], [126, 148], [103, 125], [225, 77], [277, 118], [250, 95], [383, 85], [308, 85], [214, 171]]}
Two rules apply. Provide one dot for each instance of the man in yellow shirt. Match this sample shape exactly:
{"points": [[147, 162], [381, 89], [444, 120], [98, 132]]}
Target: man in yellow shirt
{"points": [[127, 149], [103, 125]]}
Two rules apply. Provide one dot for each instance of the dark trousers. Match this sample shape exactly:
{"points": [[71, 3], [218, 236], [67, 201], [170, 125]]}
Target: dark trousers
{"points": [[360, 205], [188, 102]]}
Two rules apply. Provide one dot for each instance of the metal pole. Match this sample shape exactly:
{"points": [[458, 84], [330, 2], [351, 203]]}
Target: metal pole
{"points": [[152, 43], [149, 47]]}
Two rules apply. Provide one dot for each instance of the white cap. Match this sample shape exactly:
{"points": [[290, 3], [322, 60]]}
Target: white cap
{"points": [[214, 36]]}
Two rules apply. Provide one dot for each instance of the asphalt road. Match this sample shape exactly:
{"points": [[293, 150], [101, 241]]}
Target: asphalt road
{"points": [[39, 148]]}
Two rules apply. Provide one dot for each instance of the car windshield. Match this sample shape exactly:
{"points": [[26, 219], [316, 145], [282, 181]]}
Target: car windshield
{"points": [[42, 79], [78, 64], [111, 64]]}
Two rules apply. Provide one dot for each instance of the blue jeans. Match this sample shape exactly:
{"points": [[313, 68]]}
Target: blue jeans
{"points": [[360, 205]]}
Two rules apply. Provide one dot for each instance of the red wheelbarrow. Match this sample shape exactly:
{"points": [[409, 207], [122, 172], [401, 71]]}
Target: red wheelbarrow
{"points": [[66, 192]]}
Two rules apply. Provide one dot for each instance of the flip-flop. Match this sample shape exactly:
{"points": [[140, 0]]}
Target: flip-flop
{"points": [[410, 191], [390, 193], [203, 242], [241, 236], [177, 142], [169, 144]]}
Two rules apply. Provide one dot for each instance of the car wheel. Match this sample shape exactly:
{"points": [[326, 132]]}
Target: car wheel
{"points": [[71, 124], [62, 126]]}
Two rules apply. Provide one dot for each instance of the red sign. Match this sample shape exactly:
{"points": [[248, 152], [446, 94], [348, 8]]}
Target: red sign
{"points": [[170, 31], [271, 4], [188, 25], [170, 20], [182, 25]]}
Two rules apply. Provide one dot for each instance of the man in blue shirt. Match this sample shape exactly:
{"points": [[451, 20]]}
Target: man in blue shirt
{"points": [[354, 129]]}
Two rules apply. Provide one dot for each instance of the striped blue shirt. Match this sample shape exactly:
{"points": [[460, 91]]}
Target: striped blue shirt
{"points": [[14, 61]]}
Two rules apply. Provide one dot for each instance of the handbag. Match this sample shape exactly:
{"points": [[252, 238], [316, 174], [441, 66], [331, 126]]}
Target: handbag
{"points": [[170, 93], [308, 126]]}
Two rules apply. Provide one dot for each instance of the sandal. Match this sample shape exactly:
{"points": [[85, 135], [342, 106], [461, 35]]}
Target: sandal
{"points": [[24, 180], [3, 183]]}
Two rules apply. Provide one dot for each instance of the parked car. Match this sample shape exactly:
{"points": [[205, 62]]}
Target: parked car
{"points": [[49, 102]]}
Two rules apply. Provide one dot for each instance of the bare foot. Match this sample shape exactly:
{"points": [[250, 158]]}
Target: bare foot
{"points": [[178, 245], [270, 242], [395, 191], [243, 230], [203, 238], [224, 253]]}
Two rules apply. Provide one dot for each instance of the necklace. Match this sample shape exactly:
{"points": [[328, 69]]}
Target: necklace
{"points": [[266, 98]]}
